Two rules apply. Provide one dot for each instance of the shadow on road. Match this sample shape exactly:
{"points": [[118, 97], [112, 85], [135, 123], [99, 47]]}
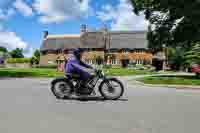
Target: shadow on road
{"points": [[92, 98]]}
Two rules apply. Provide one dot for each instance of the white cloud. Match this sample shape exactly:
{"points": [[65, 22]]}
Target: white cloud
{"points": [[11, 41], [28, 52], [122, 17], [23, 8], [5, 14], [55, 11]]}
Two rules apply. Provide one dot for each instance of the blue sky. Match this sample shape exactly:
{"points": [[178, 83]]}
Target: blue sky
{"points": [[22, 22]]}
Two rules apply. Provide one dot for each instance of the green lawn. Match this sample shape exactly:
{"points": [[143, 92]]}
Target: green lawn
{"points": [[171, 80], [125, 72], [41, 72]]}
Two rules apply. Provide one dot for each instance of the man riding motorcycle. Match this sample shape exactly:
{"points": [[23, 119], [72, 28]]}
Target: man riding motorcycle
{"points": [[75, 66], [81, 79]]}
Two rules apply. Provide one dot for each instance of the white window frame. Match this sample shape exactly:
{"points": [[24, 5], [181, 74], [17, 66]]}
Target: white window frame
{"points": [[113, 61], [124, 51]]}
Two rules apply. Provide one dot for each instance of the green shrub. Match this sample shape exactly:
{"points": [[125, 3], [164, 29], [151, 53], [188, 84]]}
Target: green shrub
{"points": [[46, 66], [107, 66], [18, 60]]}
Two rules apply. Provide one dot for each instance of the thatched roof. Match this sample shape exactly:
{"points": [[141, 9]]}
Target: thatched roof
{"points": [[93, 40], [128, 39], [99, 39], [60, 42]]}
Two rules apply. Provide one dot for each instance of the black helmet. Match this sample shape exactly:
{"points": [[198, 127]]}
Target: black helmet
{"points": [[77, 52]]}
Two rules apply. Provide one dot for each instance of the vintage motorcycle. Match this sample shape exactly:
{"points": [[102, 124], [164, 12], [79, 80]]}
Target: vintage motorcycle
{"points": [[109, 88]]}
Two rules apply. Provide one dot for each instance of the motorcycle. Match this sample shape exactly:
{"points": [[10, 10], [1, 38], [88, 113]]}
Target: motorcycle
{"points": [[109, 88]]}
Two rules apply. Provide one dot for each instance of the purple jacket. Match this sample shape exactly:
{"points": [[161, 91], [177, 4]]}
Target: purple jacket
{"points": [[76, 66]]}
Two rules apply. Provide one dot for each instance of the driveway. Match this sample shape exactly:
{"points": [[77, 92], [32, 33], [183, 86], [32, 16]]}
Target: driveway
{"points": [[27, 106]]}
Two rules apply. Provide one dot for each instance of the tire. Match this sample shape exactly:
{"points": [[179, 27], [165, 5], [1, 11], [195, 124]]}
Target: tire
{"points": [[107, 96], [67, 88]]}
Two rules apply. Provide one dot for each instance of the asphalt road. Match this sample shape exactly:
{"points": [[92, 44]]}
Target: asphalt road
{"points": [[27, 106]]}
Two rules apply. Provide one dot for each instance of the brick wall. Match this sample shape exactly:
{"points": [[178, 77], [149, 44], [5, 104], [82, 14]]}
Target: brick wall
{"points": [[92, 55], [132, 56], [47, 58]]}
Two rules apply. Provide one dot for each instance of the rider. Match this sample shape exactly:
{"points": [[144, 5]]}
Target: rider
{"points": [[76, 66]]}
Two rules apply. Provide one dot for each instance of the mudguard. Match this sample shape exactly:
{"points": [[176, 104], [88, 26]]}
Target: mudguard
{"points": [[60, 79], [111, 78]]}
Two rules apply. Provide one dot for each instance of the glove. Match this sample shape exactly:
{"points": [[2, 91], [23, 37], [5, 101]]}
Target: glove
{"points": [[96, 70]]}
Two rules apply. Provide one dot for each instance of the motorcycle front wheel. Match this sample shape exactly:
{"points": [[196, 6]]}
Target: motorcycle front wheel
{"points": [[111, 89]]}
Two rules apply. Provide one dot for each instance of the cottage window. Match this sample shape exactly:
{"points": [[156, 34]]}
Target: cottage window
{"points": [[136, 51], [113, 61], [139, 61], [125, 51], [113, 50], [51, 62], [99, 61], [90, 61], [87, 61]]}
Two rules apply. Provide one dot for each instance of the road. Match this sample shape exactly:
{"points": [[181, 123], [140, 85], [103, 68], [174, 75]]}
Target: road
{"points": [[27, 106]]}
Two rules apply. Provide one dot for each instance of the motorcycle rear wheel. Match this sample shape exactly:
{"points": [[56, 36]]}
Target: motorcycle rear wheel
{"points": [[61, 89]]}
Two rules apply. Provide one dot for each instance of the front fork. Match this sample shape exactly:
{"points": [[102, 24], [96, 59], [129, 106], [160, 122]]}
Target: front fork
{"points": [[110, 87]]}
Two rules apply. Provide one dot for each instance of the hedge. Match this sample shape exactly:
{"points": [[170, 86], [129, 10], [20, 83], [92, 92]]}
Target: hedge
{"points": [[18, 60], [46, 66]]}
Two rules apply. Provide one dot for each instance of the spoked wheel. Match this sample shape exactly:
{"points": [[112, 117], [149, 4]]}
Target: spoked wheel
{"points": [[61, 89], [111, 89]]}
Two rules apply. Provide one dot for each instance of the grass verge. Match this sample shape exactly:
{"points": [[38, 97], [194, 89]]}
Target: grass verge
{"points": [[171, 80], [42, 72], [32, 72], [125, 72]]}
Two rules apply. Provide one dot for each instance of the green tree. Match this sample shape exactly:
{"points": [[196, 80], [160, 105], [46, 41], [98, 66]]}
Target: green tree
{"points": [[36, 57], [172, 22], [176, 57], [193, 55], [37, 53], [17, 53], [3, 49], [3, 52]]}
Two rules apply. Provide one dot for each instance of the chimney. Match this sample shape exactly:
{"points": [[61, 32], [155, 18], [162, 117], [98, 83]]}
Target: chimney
{"points": [[83, 28], [45, 34], [104, 29]]}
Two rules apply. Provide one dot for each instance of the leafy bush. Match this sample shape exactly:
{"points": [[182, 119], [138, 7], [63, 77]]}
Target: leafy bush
{"points": [[46, 66], [17, 53], [193, 55], [107, 66], [18, 60]]}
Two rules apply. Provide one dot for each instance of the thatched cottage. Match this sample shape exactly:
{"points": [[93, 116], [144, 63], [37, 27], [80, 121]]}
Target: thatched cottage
{"points": [[101, 47]]}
